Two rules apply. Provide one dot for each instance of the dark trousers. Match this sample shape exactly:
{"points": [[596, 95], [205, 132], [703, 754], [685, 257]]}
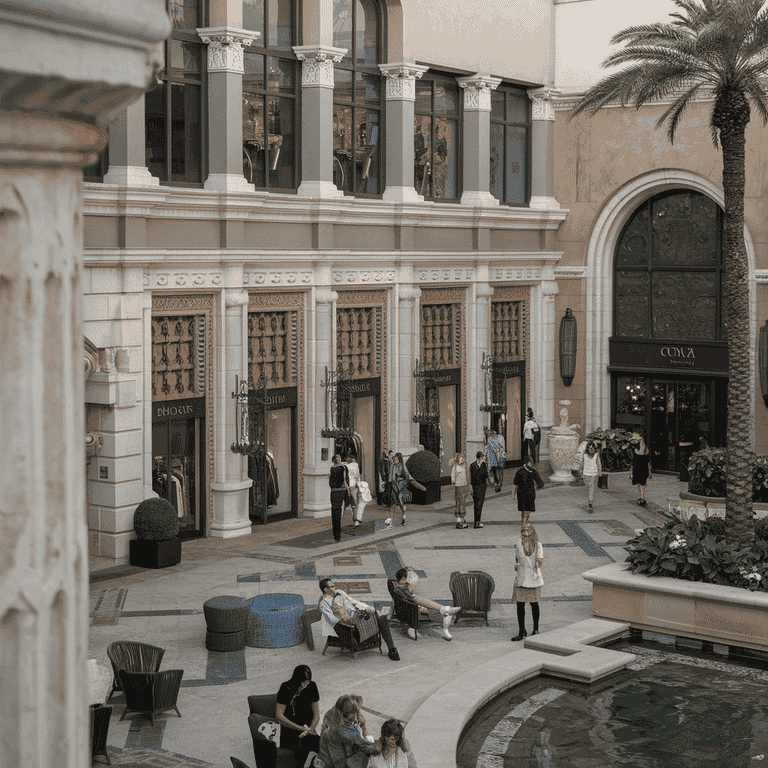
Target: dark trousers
{"points": [[478, 498], [529, 449], [497, 474], [337, 507]]}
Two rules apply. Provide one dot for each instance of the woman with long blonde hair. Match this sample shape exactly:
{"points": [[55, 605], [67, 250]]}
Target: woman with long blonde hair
{"points": [[343, 736], [529, 557]]}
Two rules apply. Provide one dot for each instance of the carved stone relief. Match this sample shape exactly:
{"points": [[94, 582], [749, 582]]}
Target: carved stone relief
{"points": [[276, 277], [183, 279], [515, 273]]}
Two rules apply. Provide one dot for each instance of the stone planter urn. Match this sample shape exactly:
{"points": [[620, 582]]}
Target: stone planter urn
{"points": [[563, 442]]}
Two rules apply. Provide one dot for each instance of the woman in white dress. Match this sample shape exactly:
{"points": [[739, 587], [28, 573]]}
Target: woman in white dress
{"points": [[395, 749], [529, 557]]}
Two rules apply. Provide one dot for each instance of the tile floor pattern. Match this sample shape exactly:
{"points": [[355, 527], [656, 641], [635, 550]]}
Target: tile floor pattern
{"points": [[165, 608]]}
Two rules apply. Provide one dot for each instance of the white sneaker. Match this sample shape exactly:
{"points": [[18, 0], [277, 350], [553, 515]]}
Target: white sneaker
{"points": [[388, 521], [310, 758], [357, 522], [412, 633], [448, 610], [446, 623]]}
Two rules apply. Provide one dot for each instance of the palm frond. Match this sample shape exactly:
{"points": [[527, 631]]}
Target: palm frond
{"points": [[758, 98], [674, 112], [652, 34]]}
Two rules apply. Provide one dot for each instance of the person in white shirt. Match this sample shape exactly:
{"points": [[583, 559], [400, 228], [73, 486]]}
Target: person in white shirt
{"points": [[353, 468], [591, 469], [460, 480], [530, 429], [529, 557]]}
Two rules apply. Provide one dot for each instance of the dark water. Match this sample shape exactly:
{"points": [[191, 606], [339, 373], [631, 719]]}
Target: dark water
{"points": [[668, 711]]}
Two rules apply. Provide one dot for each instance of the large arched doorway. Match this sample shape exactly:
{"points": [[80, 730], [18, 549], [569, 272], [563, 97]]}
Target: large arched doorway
{"points": [[668, 350]]}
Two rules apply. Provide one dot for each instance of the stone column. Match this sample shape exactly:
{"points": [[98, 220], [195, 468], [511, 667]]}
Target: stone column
{"points": [[230, 488], [478, 344], [225, 107], [63, 67], [544, 365], [317, 500], [543, 149], [405, 435], [127, 149], [477, 140], [317, 119], [401, 97]]}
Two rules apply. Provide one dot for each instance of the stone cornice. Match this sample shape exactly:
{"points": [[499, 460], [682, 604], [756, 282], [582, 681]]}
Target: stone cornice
{"points": [[565, 102]]}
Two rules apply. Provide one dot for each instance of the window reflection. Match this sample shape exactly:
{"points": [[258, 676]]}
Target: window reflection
{"points": [[510, 138]]}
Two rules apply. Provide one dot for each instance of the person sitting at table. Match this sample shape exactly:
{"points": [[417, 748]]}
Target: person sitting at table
{"points": [[405, 583], [299, 715]]}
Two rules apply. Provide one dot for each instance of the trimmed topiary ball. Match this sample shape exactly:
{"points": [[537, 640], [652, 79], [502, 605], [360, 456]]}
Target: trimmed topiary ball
{"points": [[423, 466], [156, 520]]}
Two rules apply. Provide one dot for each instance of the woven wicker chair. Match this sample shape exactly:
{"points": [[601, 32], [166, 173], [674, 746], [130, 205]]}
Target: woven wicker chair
{"points": [[472, 593], [308, 618], [267, 754], [406, 612], [133, 657], [151, 692], [362, 637]]}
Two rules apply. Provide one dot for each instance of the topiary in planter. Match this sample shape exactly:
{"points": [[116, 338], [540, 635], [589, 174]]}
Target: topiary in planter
{"points": [[423, 466], [156, 520]]}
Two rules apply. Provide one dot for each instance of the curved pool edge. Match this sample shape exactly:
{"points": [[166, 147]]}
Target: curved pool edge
{"points": [[568, 652]]}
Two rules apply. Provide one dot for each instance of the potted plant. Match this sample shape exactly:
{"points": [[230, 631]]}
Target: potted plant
{"points": [[616, 447], [424, 468], [706, 473], [157, 526]]}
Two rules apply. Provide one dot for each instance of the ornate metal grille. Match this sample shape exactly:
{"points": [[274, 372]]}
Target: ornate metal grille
{"points": [[272, 347], [441, 335], [506, 331], [178, 357], [358, 341]]}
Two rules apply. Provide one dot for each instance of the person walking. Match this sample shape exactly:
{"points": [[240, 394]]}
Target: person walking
{"points": [[400, 494], [339, 482], [531, 433], [641, 469], [353, 472], [460, 480], [478, 478], [529, 557], [524, 487], [591, 470], [497, 456]]}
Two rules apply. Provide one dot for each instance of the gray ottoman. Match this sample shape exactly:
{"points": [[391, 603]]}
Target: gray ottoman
{"points": [[225, 617], [275, 621]]}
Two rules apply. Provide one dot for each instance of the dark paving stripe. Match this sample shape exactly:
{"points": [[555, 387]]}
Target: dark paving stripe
{"points": [[225, 668], [582, 539], [305, 571], [152, 758], [391, 561], [325, 538], [144, 735], [115, 572], [166, 612], [250, 577]]}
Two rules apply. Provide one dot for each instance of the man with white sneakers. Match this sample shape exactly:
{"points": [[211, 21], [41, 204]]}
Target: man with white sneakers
{"points": [[405, 583]]}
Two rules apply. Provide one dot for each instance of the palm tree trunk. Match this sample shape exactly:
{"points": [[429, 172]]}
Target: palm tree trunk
{"points": [[731, 116]]}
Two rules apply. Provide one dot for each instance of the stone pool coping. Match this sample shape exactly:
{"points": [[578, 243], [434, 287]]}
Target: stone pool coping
{"points": [[569, 652]]}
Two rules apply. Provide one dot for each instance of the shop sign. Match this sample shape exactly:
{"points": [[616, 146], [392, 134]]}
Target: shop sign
{"points": [[284, 397], [669, 356], [191, 408], [442, 378], [360, 387], [507, 369]]}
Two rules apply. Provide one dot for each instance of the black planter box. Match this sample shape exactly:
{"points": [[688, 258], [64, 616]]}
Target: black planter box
{"points": [[430, 496], [155, 554]]}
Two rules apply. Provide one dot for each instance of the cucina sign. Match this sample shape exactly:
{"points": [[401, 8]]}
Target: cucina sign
{"points": [[679, 352]]}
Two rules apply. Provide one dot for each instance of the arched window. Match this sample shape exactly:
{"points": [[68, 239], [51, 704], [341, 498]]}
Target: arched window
{"points": [[174, 110], [670, 270], [270, 95], [358, 134]]}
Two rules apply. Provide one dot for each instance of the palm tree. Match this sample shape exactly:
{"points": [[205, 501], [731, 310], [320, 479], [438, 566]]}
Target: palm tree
{"points": [[716, 48]]}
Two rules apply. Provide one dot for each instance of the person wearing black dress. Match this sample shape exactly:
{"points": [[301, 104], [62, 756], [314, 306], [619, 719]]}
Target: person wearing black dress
{"points": [[339, 482], [524, 487], [299, 714], [641, 469]]}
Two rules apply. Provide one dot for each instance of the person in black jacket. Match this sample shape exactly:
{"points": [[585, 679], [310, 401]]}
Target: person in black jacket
{"points": [[339, 482], [478, 478], [525, 482]]}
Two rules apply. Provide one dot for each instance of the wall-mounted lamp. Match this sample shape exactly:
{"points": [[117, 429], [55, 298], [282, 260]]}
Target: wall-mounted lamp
{"points": [[762, 360], [568, 347]]}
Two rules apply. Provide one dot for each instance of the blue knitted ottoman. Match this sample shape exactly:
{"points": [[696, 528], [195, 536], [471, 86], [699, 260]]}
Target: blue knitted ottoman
{"points": [[274, 621]]}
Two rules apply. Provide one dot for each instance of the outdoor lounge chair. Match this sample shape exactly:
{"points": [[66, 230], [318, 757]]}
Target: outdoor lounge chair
{"points": [[362, 637], [267, 753], [133, 656], [151, 692], [472, 593]]}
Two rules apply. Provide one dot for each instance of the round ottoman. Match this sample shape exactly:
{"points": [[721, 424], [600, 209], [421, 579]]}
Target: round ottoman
{"points": [[226, 618], [274, 621]]}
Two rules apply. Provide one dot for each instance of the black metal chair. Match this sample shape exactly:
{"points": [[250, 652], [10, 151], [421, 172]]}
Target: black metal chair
{"points": [[151, 692], [472, 592], [308, 618], [133, 656], [100, 715]]}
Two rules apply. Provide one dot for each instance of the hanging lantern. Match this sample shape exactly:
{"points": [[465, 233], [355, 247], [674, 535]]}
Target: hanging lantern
{"points": [[568, 347], [762, 360]]}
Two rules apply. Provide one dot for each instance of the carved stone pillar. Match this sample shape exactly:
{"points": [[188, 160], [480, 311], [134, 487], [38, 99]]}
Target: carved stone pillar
{"points": [[230, 488], [543, 149], [225, 107], [479, 344], [477, 140], [317, 119], [405, 435], [546, 353], [401, 97], [64, 67]]}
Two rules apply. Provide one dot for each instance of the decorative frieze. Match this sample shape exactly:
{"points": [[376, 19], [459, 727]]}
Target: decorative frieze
{"points": [[225, 47], [317, 64], [401, 80], [515, 273], [385, 276], [275, 277], [183, 279], [445, 275], [477, 91]]}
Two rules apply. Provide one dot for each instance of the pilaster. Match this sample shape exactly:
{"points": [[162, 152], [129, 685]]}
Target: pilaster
{"points": [[543, 149], [477, 140], [407, 344], [225, 97], [127, 149], [317, 119], [479, 344], [400, 96], [547, 350]]}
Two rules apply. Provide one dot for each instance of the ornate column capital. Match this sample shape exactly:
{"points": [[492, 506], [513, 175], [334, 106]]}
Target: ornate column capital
{"points": [[236, 297], [409, 292], [549, 289], [477, 91], [325, 295], [317, 64], [225, 47], [401, 79], [543, 102], [483, 289]]}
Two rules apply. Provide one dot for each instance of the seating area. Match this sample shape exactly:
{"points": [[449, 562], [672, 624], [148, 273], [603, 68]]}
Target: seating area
{"points": [[263, 723], [472, 592], [406, 612]]}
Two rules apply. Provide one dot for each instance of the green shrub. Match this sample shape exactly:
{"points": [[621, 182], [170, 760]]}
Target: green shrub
{"points": [[707, 472], [760, 479], [616, 447], [761, 529], [156, 520], [697, 550], [423, 466]]}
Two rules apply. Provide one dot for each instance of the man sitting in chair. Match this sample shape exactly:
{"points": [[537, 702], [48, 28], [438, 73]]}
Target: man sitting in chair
{"points": [[338, 607], [405, 583]]}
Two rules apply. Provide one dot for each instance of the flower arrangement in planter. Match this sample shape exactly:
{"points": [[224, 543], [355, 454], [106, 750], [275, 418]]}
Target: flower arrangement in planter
{"points": [[707, 475], [424, 468], [699, 550], [616, 447], [157, 526]]}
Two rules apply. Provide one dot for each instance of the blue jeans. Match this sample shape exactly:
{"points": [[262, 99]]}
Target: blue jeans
{"points": [[590, 481]]}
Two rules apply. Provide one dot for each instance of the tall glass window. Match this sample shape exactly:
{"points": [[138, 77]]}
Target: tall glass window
{"points": [[510, 145], [436, 137], [174, 110], [270, 96], [357, 98]]}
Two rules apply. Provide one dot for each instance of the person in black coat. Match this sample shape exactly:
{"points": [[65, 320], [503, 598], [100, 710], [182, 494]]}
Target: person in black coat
{"points": [[478, 478], [339, 482], [524, 484]]}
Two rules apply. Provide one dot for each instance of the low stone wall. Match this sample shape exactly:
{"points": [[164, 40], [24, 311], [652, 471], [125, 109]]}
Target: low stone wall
{"points": [[708, 612]]}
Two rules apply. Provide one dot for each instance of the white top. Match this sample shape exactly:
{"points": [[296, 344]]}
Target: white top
{"points": [[398, 759], [350, 605], [528, 428], [354, 473], [459, 474], [528, 572], [365, 492], [590, 465]]}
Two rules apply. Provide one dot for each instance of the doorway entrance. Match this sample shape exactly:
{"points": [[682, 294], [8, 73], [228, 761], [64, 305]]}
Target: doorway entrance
{"points": [[509, 390]]}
